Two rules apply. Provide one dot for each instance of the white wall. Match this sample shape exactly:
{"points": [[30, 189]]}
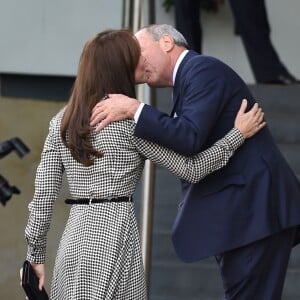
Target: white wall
{"points": [[220, 41], [46, 37]]}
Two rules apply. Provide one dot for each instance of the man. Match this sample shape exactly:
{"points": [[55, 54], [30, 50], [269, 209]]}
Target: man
{"points": [[245, 214], [251, 21]]}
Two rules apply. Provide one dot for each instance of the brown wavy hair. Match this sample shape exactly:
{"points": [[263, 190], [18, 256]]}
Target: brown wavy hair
{"points": [[107, 65]]}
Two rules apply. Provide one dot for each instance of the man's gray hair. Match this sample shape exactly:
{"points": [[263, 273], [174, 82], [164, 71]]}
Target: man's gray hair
{"points": [[158, 30]]}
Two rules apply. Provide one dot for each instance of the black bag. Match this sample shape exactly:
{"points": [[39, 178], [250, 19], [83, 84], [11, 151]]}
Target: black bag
{"points": [[30, 283]]}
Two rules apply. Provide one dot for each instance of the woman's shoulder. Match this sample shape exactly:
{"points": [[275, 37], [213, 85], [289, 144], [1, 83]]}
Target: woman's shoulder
{"points": [[56, 119], [54, 124], [122, 126]]}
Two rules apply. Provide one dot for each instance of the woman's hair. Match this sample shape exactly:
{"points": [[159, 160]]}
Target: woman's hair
{"points": [[107, 65], [158, 30]]}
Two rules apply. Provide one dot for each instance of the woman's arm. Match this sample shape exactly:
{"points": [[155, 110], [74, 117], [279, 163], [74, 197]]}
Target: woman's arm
{"points": [[47, 187], [194, 168]]}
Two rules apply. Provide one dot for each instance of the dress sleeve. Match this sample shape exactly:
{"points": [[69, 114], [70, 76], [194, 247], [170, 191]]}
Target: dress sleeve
{"points": [[192, 168], [47, 186]]}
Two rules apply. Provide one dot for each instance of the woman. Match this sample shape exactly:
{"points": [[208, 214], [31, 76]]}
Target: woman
{"points": [[99, 255]]}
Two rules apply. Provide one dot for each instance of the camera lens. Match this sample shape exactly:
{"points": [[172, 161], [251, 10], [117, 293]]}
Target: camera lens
{"points": [[6, 190]]}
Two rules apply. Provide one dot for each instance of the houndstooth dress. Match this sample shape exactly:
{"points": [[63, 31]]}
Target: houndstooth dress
{"points": [[99, 255]]}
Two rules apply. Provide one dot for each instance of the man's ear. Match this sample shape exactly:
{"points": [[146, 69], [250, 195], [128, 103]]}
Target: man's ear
{"points": [[166, 42]]}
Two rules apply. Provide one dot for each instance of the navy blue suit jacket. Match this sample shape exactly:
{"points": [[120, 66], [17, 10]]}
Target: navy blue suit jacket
{"points": [[254, 196]]}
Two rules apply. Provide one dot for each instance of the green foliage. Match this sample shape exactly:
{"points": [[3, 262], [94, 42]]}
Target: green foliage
{"points": [[167, 4]]}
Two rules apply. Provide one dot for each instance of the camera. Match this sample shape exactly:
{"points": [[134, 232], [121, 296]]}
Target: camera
{"points": [[6, 190], [14, 144]]}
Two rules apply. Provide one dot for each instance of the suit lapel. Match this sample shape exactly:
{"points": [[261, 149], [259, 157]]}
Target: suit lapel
{"points": [[177, 85]]}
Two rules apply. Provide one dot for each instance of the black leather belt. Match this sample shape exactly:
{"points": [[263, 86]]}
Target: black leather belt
{"points": [[92, 200]]}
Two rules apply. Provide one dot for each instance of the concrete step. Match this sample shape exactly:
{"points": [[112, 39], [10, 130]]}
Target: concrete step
{"points": [[284, 127], [276, 98], [199, 281], [291, 152], [192, 281]]}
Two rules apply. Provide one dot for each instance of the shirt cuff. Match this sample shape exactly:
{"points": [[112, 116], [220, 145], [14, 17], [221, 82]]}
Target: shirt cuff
{"points": [[234, 138], [36, 255], [138, 112]]}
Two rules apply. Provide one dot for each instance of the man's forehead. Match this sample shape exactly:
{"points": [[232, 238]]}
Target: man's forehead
{"points": [[144, 38], [141, 33]]}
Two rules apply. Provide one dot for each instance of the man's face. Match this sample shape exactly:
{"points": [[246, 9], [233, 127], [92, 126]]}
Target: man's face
{"points": [[140, 73], [155, 60]]}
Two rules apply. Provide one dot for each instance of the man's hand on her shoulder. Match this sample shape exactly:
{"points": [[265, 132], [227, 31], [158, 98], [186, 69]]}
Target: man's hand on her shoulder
{"points": [[116, 107]]}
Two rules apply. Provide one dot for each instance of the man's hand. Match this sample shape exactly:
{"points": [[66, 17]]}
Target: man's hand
{"points": [[116, 108], [251, 122]]}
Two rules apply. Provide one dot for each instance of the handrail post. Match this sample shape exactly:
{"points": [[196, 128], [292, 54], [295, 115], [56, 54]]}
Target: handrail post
{"points": [[135, 18]]}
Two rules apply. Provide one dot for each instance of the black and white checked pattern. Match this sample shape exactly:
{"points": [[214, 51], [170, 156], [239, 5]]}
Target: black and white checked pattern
{"points": [[99, 255]]}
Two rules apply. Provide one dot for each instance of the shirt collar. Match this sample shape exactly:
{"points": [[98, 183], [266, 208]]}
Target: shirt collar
{"points": [[178, 62]]}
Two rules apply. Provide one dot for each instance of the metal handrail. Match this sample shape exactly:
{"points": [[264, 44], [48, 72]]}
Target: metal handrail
{"points": [[135, 18]]}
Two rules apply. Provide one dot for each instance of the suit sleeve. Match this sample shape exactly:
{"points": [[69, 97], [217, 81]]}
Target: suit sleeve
{"points": [[201, 102], [192, 168]]}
